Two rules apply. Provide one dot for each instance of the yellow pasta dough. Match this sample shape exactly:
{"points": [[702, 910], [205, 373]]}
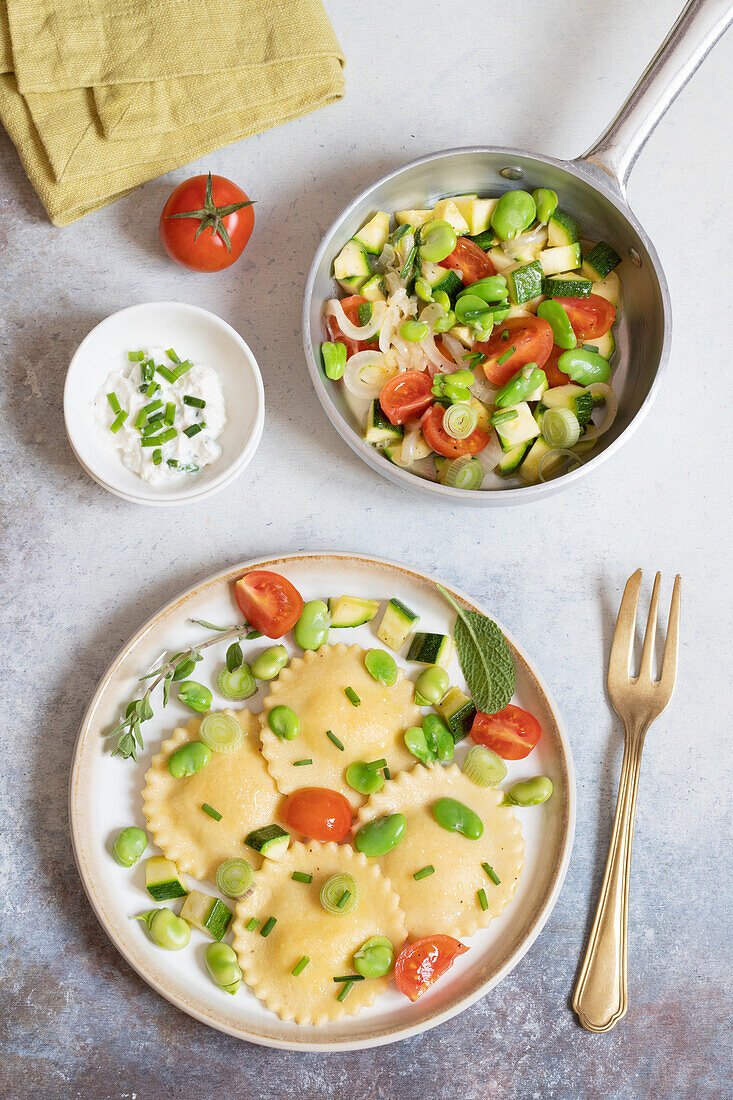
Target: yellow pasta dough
{"points": [[447, 901], [313, 686], [304, 928], [238, 785]]}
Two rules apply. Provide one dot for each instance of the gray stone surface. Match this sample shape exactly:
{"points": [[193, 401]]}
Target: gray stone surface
{"points": [[81, 569]]}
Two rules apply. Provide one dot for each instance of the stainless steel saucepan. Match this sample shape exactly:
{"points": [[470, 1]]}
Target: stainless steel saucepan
{"points": [[593, 189]]}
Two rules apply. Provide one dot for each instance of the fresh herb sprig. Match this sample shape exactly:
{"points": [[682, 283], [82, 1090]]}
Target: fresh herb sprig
{"points": [[485, 658], [178, 667]]}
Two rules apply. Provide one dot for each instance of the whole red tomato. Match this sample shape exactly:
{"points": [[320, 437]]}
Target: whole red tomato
{"points": [[206, 223]]}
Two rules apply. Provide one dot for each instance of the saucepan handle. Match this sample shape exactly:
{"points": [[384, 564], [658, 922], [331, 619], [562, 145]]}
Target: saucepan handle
{"points": [[694, 34]]}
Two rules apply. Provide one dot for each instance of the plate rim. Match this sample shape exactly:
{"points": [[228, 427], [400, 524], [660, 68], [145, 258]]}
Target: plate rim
{"points": [[395, 1033]]}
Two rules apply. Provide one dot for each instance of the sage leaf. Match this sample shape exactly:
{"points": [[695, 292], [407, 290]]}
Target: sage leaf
{"points": [[485, 658]]}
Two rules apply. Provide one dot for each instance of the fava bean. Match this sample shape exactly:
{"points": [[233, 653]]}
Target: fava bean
{"points": [[268, 664], [444, 323], [529, 792], [334, 359], [438, 239], [442, 299], [414, 331], [457, 818], [439, 738], [311, 629], [223, 968], [558, 320], [584, 367], [380, 836], [416, 742], [431, 686], [520, 386], [469, 307], [363, 778], [166, 929], [493, 288], [374, 958], [195, 696], [381, 666], [546, 202], [283, 721], [189, 759], [424, 290], [130, 845], [514, 212]]}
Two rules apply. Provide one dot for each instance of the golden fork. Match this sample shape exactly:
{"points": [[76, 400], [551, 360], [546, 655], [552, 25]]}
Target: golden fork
{"points": [[600, 993]]}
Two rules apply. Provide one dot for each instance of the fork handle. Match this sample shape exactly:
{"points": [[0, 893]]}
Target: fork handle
{"points": [[600, 993]]}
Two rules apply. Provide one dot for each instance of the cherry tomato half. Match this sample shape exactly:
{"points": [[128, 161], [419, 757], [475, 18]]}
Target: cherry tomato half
{"points": [[406, 396], [437, 438], [470, 260], [318, 813], [195, 231], [590, 317], [531, 337], [555, 377], [511, 732], [268, 601], [351, 309], [421, 963]]}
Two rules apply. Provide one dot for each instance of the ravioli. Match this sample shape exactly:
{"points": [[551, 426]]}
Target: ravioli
{"points": [[314, 687], [446, 901], [237, 785], [304, 928]]}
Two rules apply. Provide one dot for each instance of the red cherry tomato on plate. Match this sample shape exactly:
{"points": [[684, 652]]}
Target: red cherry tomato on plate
{"points": [[590, 317], [531, 337], [470, 260], [511, 732], [268, 601], [555, 377], [351, 309], [440, 441], [406, 396], [318, 813], [421, 963], [195, 230]]}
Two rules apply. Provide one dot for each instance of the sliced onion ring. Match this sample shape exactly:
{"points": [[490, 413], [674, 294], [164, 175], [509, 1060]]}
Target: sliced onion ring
{"points": [[357, 332], [366, 374], [600, 389]]}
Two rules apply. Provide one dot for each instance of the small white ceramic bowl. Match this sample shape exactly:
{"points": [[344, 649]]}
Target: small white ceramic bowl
{"points": [[197, 335]]}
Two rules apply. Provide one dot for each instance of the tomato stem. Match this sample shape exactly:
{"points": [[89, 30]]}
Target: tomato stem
{"points": [[212, 216]]}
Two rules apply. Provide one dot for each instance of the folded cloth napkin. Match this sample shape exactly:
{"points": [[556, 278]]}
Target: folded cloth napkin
{"points": [[100, 95]]}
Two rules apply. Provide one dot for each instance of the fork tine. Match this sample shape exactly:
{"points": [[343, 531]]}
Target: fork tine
{"points": [[647, 653], [623, 635], [669, 661]]}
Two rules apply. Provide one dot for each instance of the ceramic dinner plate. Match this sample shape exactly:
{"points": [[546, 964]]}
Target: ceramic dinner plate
{"points": [[105, 795]]}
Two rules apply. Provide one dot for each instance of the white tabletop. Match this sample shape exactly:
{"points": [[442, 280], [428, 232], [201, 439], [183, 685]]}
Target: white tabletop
{"points": [[83, 569]]}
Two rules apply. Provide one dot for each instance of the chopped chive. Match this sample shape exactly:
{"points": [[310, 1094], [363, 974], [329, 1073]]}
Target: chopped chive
{"points": [[136, 356], [182, 368], [139, 419], [590, 347], [491, 873], [193, 430], [173, 462], [151, 388], [352, 696], [147, 370], [157, 457], [172, 356], [196, 402], [158, 440], [252, 635], [116, 407], [482, 899], [424, 872], [268, 926], [507, 355], [300, 966], [302, 763], [505, 334], [387, 773], [347, 987], [350, 978], [251, 924], [332, 737], [211, 811], [343, 899], [118, 421], [158, 404], [301, 876], [170, 412], [165, 373], [377, 765], [504, 416], [149, 428], [154, 418]]}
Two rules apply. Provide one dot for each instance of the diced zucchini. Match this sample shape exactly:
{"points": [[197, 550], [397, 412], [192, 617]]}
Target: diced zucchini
{"points": [[374, 234], [562, 229], [510, 461], [431, 649], [565, 258], [351, 267], [524, 282], [396, 624], [518, 311], [349, 611], [609, 288], [530, 468], [208, 914], [421, 449], [447, 211], [519, 430], [462, 333], [606, 344], [486, 240], [440, 465], [441, 278], [270, 841], [601, 260], [458, 711], [476, 212], [567, 285], [413, 217], [373, 289], [378, 428], [484, 415], [500, 259], [572, 397], [162, 880]]}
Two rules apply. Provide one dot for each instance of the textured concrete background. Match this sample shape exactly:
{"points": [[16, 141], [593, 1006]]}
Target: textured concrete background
{"points": [[82, 569]]}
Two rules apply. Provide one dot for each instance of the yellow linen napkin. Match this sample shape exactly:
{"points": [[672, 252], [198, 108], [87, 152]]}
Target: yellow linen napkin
{"points": [[100, 95]]}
